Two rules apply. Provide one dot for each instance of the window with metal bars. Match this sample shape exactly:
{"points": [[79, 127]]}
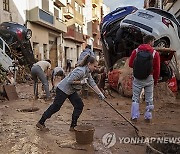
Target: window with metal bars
{"points": [[6, 5]]}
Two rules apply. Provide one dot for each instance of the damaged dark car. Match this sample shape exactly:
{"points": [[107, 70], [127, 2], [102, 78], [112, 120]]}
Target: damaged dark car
{"points": [[17, 36]]}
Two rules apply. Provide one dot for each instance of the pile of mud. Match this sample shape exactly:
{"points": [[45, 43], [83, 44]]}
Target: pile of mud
{"points": [[126, 79], [162, 93]]}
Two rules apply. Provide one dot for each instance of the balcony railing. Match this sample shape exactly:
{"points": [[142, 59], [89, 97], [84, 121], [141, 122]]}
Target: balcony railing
{"points": [[73, 34], [46, 19], [68, 12], [60, 3], [83, 2], [94, 3], [78, 17], [46, 16]]}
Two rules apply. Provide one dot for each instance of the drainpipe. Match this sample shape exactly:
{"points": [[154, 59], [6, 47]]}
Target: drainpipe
{"points": [[10, 16], [160, 4]]}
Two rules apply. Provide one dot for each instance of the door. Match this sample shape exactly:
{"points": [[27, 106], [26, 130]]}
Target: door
{"points": [[36, 52], [45, 50], [65, 54], [53, 53]]}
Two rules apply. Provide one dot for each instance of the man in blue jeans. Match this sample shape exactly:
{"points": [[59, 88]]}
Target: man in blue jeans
{"points": [[146, 83], [41, 70]]}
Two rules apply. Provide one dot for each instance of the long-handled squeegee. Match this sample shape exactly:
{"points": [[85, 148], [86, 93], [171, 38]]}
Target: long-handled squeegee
{"points": [[137, 130]]}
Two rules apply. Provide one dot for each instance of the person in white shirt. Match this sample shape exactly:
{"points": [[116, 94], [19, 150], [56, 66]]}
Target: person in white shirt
{"points": [[41, 70]]}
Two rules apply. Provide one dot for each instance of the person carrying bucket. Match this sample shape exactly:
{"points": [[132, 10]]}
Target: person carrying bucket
{"points": [[68, 87]]}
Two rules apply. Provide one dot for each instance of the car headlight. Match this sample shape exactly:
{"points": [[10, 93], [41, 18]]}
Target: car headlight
{"points": [[28, 34]]}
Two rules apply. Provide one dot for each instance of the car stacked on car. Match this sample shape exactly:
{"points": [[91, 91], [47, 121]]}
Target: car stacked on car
{"points": [[17, 36], [109, 33], [119, 41]]}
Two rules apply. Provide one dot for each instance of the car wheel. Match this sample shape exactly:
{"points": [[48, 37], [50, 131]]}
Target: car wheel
{"points": [[120, 90], [162, 43], [28, 34]]}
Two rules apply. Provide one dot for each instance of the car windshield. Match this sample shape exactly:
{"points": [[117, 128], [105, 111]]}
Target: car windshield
{"points": [[167, 15], [120, 63]]}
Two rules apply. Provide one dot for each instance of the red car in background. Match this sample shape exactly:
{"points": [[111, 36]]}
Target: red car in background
{"points": [[120, 78]]}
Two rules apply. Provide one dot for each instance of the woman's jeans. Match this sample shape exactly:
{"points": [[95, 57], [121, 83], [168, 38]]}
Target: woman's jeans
{"points": [[138, 85], [58, 102]]}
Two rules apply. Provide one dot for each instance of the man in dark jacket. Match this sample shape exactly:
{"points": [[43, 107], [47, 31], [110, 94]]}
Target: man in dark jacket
{"points": [[147, 83], [68, 65]]}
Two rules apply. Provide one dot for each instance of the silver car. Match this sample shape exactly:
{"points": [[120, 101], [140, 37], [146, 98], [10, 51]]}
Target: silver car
{"points": [[153, 21]]}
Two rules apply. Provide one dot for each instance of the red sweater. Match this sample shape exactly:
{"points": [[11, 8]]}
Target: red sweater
{"points": [[156, 60]]}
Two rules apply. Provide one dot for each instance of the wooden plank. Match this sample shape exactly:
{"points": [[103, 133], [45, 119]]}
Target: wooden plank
{"points": [[11, 92]]}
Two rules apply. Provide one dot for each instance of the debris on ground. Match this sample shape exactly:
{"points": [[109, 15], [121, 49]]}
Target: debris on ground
{"points": [[19, 134]]}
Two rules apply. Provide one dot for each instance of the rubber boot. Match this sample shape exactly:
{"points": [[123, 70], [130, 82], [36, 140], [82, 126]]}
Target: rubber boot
{"points": [[135, 111], [148, 113]]}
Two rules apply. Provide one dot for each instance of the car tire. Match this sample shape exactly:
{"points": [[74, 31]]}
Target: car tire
{"points": [[162, 43], [120, 90], [28, 34]]}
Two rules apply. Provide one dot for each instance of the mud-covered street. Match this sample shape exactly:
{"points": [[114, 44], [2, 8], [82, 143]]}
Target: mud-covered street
{"points": [[18, 133]]}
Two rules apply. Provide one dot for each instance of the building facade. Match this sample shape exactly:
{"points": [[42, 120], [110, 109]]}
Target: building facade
{"points": [[87, 28], [105, 10], [172, 6], [96, 19], [73, 39], [153, 3], [61, 28], [44, 18]]}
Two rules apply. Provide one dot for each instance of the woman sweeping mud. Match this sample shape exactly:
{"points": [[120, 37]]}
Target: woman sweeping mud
{"points": [[68, 87]]}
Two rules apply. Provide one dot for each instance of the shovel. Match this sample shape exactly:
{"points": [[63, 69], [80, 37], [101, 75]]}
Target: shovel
{"points": [[137, 130]]}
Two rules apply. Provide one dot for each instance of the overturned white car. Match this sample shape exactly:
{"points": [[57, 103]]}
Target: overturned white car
{"points": [[153, 21]]}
